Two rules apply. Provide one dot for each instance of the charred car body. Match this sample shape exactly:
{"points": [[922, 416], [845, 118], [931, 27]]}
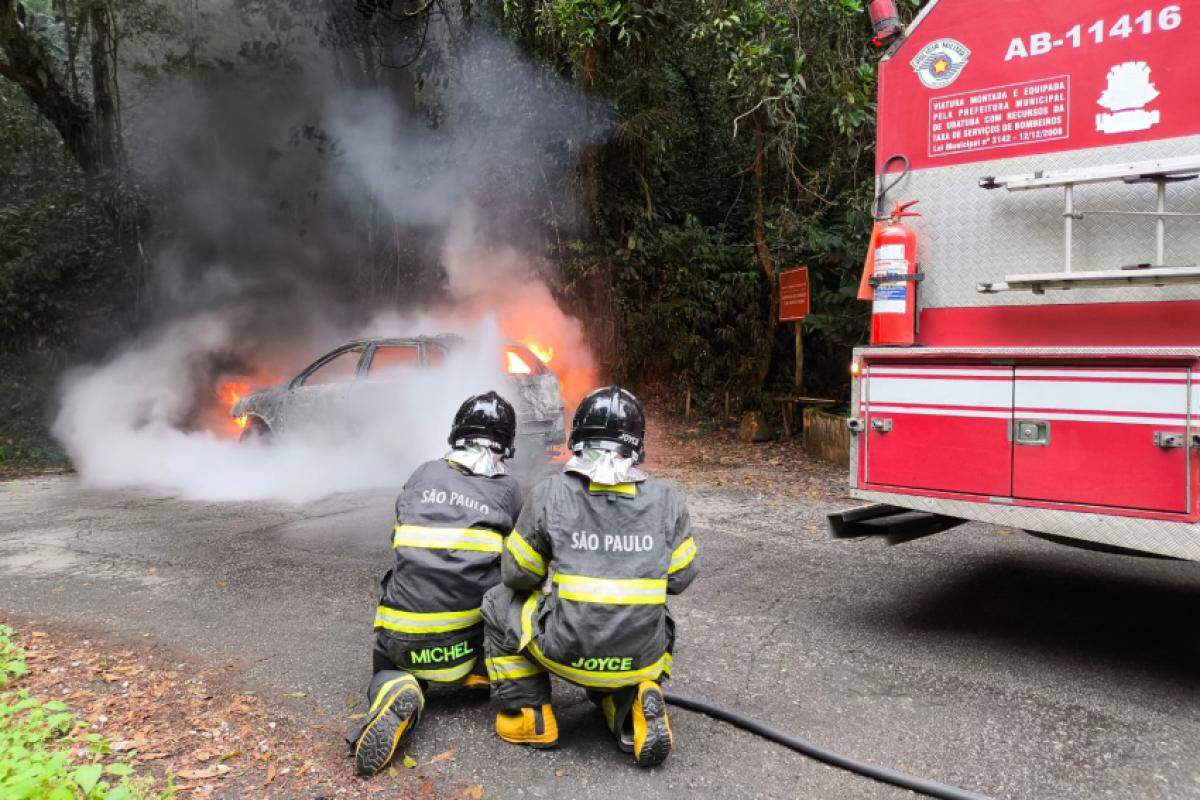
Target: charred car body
{"points": [[321, 396]]}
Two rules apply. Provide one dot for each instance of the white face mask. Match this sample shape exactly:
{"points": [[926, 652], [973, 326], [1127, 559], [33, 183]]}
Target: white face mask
{"points": [[605, 467], [478, 459]]}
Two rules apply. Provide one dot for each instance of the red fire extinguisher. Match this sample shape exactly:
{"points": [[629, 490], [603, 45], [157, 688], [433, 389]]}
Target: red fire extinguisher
{"points": [[894, 278]]}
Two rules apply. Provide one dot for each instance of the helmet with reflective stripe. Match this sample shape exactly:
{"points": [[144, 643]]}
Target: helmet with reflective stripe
{"points": [[610, 418], [486, 419]]}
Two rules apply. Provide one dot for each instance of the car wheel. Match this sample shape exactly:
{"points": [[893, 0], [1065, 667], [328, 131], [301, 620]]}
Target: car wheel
{"points": [[256, 431]]}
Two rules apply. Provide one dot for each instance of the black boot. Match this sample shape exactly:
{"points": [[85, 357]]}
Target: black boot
{"points": [[396, 705]]}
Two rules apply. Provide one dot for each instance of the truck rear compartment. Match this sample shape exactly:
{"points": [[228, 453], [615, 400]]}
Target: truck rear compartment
{"points": [[1065, 434]]}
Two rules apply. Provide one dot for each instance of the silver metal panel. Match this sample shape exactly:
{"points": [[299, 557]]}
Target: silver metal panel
{"points": [[1076, 279], [856, 387], [968, 235], [1177, 539], [1182, 165]]}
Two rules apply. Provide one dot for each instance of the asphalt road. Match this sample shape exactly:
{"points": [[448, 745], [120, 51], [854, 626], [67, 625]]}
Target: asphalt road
{"points": [[980, 657]]}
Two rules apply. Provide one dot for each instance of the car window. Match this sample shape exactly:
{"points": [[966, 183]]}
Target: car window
{"points": [[341, 368], [388, 359]]}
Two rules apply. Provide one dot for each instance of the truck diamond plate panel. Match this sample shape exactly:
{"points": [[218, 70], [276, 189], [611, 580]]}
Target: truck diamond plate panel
{"points": [[968, 235]]}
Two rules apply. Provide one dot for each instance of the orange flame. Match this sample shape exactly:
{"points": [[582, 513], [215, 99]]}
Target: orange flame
{"points": [[530, 315], [230, 392], [546, 354], [516, 365]]}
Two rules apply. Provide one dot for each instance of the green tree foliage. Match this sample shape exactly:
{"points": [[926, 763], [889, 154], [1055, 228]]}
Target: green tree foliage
{"points": [[56, 244], [743, 146]]}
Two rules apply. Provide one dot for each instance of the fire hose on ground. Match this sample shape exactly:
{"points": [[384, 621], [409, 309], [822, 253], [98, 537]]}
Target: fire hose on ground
{"points": [[883, 774]]}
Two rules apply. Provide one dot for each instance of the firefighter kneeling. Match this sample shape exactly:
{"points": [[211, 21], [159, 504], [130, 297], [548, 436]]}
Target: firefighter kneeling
{"points": [[616, 542], [451, 519]]}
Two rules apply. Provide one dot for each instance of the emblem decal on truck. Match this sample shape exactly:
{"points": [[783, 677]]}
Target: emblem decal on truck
{"points": [[1129, 91], [941, 62]]}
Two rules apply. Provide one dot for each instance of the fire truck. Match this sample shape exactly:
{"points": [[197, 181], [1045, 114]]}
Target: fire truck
{"points": [[1035, 351]]}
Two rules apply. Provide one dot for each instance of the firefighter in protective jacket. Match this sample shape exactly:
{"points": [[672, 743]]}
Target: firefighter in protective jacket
{"points": [[612, 543], [451, 519]]}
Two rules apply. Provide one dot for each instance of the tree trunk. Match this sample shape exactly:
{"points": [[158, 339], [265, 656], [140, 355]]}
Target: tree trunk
{"points": [[760, 244], [107, 128], [590, 158], [28, 63]]}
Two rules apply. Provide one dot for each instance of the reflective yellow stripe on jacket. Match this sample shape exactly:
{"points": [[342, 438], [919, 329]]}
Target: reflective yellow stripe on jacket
{"points": [[422, 622], [611, 591], [587, 677], [627, 489], [529, 559], [480, 539], [683, 555]]}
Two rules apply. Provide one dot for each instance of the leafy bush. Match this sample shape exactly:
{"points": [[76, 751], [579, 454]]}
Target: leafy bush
{"points": [[39, 757]]}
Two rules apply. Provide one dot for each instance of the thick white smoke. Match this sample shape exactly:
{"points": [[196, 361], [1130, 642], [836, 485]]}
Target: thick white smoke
{"points": [[123, 422], [282, 192]]}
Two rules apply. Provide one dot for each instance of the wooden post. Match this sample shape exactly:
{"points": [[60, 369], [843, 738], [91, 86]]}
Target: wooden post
{"points": [[726, 404], [687, 404], [799, 357]]}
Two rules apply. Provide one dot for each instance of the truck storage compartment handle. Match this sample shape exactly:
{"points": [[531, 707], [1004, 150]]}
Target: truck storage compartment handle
{"points": [[1169, 441], [1031, 432]]}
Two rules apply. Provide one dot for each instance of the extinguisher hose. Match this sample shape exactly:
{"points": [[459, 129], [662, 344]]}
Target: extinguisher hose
{"points": [[880, 210], [883, 774]]}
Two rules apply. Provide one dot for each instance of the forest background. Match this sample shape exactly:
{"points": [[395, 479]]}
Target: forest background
{"points": [[722, 142]]}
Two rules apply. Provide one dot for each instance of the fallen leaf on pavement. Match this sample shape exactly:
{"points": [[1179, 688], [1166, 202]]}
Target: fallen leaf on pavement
{"points": [[410, 762], [474, 792], [441, 756], [270, 774]]}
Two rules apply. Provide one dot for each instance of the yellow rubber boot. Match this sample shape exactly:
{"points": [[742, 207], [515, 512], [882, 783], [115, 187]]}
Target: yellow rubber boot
{"points": [[395, 711], [476, 682], [535, 727], [652, 737]]}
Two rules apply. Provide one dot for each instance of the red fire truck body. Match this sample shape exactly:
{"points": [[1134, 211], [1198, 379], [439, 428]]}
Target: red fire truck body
{"points": [[1053, 385]]}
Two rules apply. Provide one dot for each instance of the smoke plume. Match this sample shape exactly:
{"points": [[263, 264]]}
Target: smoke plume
{"points": [[299, 208]]}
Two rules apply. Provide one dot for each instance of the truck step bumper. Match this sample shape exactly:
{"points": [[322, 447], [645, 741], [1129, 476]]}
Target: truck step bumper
{"points": [[894, 524]]}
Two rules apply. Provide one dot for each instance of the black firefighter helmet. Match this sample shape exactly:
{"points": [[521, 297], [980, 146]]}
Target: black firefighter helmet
{"points": [[610, 418], [488, 417]]}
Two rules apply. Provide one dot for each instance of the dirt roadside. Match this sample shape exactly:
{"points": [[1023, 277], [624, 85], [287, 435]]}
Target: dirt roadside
{"points": [[170, 714], [693, 453]]}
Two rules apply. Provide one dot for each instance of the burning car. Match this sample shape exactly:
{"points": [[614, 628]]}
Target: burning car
{"points": [[321, 395]]}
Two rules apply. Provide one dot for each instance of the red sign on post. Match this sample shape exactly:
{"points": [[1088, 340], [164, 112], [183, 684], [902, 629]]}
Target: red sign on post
{"points": [[793, 295]]}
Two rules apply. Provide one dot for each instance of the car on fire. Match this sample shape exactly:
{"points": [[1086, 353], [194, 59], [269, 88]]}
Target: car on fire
{"points": [[321, 394]]}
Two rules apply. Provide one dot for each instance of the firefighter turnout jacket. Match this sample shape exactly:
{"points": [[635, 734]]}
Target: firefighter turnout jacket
{"points": [[611, 554], [448, 537]]}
